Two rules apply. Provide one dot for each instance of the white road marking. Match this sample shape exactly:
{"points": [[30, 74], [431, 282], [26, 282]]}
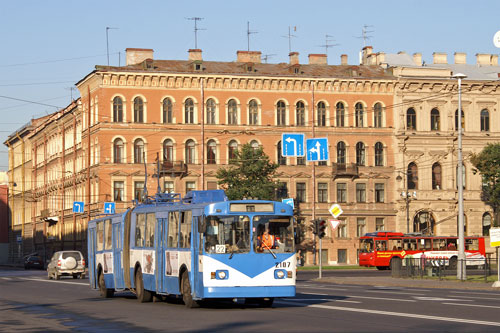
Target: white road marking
{"points": [[475, 305], [312, 287], [402, 288], [6, 278], [322, 299], [420, 298], [478, 297], [55, 281], [366, 297], [395, 314], [390, 292]]}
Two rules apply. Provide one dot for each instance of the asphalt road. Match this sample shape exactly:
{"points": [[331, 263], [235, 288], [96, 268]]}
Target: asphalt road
{"points": [[30, 302]]}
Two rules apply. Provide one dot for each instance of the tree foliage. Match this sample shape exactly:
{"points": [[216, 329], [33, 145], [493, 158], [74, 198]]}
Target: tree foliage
{"points": [[249, 175], [487, 163]]}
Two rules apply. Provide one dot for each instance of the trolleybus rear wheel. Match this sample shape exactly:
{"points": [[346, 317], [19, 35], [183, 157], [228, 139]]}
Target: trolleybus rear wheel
{"points": [[186, 292], [103, 291], [142, 294]]}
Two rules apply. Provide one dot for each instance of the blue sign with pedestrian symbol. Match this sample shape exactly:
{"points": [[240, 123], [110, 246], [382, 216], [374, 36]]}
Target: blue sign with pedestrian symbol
{"points": [[78, 206], [109, 208], [317, 149], [292, 144]]}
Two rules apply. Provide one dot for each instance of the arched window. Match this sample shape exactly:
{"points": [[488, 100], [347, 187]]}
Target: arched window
{"points": [[211, 152], [485, 120], [210, 111], [435, 120], [138, 110], [340, 114], [281, 113], [360, 154], [281, 159], [232, 112], [321, 114], [300, 114], [378, 115], [254, 144], [168, 151], [412, 176], [138, 151], [411, 119], [436, 176], [253, 112], [486, 224], [232, 149], [379, 154], [167, 111], [190, 152], [118, 150], [341, 153], [360, 114], [189, 111], [117, 110], [462, 122], [424, 222]]}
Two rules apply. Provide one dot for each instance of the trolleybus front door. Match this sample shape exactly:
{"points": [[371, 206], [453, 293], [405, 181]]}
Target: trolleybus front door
{"points": [[160, 246], [91, 251], [117, 256]]}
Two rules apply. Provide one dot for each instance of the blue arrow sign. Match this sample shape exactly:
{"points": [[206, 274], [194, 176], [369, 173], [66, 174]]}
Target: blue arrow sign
{"points": [[109, 208], [288, 201], [78, 206], [317, 149], [292, 144]]}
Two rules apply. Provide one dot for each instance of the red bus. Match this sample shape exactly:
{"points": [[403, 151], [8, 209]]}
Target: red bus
{"points": [[379, 249]]}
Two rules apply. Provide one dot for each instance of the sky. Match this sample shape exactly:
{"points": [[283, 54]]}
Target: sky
{"points": [[48, 46]]}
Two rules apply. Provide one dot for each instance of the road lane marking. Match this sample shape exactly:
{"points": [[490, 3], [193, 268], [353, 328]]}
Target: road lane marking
{"points": [[334, 289], [440, 299], [401, 288], [6, 278], [366, 297], [55, 281], [475, 305], [394, 314], [477, 297], [390, 292], [322, 300]]}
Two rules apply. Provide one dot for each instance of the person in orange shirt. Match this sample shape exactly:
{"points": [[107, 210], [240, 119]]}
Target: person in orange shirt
{"points": [[266, 241]]}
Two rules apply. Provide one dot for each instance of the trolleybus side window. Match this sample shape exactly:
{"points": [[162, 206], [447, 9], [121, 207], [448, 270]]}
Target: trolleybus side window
{"points": [[100, 236], [107, 228], [425, 244], [366, 245], [409, 244], [439, 244], [395, 245], [173, 229], [140, 225], [472, 244], [185, 235], [381, 245], [452, 244], [150, 230]]}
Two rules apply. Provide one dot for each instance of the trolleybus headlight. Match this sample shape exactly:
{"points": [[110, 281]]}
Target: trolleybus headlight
{"points": [[279, 274], [221, 274]]}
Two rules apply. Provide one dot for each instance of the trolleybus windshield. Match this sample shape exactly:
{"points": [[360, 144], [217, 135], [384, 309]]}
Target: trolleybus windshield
{"points": [[227, 234]]}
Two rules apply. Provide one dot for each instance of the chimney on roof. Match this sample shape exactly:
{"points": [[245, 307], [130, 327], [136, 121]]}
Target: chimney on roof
{"points": [[439, 58], [249, 56], [494, 60], [460, 58], [365, 54], [380, 58], [294, 58], [136, 56], [483, 59], [194, 55], [343, 59], [318, 59], [417, 59]]}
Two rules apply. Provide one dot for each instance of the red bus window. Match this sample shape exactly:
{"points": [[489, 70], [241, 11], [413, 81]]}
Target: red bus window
{"points": [[381, 245]]}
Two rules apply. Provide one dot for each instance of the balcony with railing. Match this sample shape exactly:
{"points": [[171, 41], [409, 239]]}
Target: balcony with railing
{"points": [[173, 168], [342, 170]]}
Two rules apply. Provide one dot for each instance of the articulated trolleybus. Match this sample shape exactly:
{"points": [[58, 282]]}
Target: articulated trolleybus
{"points": [[199, 247]]}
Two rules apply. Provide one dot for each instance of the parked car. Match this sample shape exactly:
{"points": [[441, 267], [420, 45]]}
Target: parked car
{"points": [[33, 261], [66, 263]]}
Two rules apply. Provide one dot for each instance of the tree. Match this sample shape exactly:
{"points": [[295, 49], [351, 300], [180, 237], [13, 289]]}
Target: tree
{"points": [[249, 175], [487, 163]]}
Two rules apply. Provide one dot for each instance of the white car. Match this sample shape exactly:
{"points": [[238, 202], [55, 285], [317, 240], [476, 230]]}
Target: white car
{"points": [[69, 263]]}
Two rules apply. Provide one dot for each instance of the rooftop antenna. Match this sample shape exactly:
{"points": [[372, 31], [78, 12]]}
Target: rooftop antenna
{"points": [[289, 36], [266, 56], [195, 19], [364, 33], [249, 32], [327, 44], [71, 89], [107, 42]]}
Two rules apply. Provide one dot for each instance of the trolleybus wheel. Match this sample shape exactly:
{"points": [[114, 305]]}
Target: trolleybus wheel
{"points": [[103, 291], [186, 292], [142, 295], [453, 263]]}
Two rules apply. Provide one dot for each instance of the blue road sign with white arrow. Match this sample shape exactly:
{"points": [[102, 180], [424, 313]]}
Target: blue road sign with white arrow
{"points": [[317, 149], [78, 206], [109, 208], [292, 144]]}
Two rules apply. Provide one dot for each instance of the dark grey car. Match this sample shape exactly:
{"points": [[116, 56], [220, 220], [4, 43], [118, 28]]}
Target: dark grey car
{"points": [[66, 263]]}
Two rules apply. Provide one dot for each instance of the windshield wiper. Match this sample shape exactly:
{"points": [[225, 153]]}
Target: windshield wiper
{"points": [[269, 249]]}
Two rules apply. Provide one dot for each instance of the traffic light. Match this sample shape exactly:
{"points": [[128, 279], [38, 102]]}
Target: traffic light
{"points": [[321, 228], [315, 227]]}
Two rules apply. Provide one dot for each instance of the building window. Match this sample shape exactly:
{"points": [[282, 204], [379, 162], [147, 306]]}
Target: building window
{"points": [[360, 154], [462, 122], [435, 120], [168, 187], [281, 113], [341, 256], [486, 224], [436, 176], [300, 114], [168, 116], [301, 160], [300, 192], [378, 115], [360, 226], [211, 109], [253, 112], [342, 229], [321, 114], [117, 110], [232, 149], [322, 192], [360, 192], [189, 111], [412, 176], [232, 112], [411, 119], [168, 151], [118, 149], [190, 186], [118, 191], [138, 151], [341, 192], [138, 110], [485, 120], [254, 144], [211, 185], [340, 114], [211, 152], [190, 152], [282, 191], [379, 192], [281, 159], [139, 191], [379, 154], [379, 224], [341, 153], [359, 114]]}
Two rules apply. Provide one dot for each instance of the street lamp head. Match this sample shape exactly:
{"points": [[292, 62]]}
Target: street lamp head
{"points": [[459, 76]]}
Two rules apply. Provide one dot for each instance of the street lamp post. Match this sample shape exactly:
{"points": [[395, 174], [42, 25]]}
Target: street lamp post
{"points": [[461, 273]]}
